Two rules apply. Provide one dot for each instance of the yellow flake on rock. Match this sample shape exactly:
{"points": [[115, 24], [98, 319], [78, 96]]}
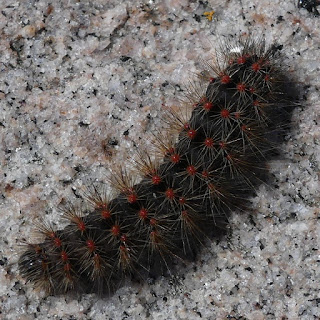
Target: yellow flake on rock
{"points": [[209, 14]]}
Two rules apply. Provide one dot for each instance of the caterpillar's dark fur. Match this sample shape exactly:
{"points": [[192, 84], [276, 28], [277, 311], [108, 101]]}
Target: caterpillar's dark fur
{"points": [[236, 125]]}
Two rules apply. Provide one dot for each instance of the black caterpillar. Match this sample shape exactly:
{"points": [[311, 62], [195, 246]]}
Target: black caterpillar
{"points": [[236, 125]]}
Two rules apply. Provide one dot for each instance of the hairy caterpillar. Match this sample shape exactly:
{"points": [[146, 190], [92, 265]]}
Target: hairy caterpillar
{"points": [[236, 122]]}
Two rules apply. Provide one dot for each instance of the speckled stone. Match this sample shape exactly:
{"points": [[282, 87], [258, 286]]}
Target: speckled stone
{"points": [[84, 82]]}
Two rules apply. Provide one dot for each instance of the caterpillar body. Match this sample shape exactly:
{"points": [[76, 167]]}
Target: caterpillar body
{"points": [[235, 124]]}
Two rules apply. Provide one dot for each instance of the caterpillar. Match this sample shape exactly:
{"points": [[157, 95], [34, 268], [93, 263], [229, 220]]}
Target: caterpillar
{"points": [[214, 156]]}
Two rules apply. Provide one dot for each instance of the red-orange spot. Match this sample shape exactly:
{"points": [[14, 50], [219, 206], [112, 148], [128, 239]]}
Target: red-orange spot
{"points": [[156, 179], [237, 115], [105, 214], [143, 213], [152, 233], [154, 236], [244, 127], [123, 238], [208, 106], [182, 200], [208, 142], [115, 230], [175, 158], [153, 222], [212, 80], [123, 248], [132, 198], [252, 90], [222, 144], [101, 205], [256, 66], [256, 103], [205, 174], [64, 256], [267, 77], [225, 113], [184, 213], [241, 60], [91, 245], [203, 100], [241, 87], [191, 133], [81, 225], [57, 242], [186, 126], [191, 170], [51, 234], [169, 193], [225, 79]]}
